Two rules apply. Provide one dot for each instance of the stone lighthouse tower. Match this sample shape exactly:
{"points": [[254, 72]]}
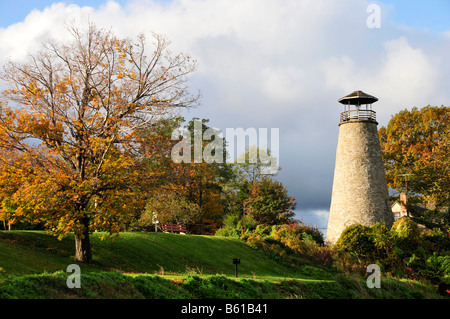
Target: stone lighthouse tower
{"points": [[360, 192]]}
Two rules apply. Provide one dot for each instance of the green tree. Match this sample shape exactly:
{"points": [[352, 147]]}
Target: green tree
{"points": [[169, 208], [209, 174], [189, 163], [431, 218], [253, 163], [250, 168], [269, 202]]}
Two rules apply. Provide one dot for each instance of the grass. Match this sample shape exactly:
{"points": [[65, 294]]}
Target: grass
{"points": [[34, 252], [158, 266], [115, 285]]}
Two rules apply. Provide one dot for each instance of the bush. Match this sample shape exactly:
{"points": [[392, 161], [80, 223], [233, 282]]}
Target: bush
{"points": [[347, 262], [296, 230], [406, 236], [289, 241], [228, 232], [403, 251], [234, 225], [286, 241], [356, 239], [372, 245], [231, 220], [246, 223], [436, 240], [201, 288]]}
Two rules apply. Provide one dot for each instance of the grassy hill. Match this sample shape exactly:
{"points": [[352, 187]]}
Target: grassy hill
{"points": [[32, 252], [159, 265]]}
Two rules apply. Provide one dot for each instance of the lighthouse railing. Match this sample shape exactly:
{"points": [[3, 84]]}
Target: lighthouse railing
{"points": [[358, 115]]}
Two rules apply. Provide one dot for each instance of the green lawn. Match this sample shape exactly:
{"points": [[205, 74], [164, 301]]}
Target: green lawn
{"points": [[33, 252], [157, 265]]}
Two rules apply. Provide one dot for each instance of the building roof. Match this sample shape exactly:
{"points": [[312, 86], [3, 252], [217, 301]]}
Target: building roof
{"points": [[358, 98]]}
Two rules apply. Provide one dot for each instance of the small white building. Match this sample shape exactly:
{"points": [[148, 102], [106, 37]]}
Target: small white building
{"points": [[399, 207]]}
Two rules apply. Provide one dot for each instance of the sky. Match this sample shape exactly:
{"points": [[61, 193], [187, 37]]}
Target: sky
{"points": [[275, 64]]}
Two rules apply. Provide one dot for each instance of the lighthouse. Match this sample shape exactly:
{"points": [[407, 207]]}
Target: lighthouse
{"points": [[360, 193]]}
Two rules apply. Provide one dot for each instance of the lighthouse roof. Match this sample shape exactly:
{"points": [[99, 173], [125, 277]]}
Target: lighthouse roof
{"points": [[358, 98]]}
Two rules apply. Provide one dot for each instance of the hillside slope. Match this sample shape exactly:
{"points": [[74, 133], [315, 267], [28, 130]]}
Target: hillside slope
{"points": [[157, 265], [31, 252]]}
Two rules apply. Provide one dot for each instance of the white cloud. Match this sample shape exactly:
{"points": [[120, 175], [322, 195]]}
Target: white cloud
{"points": [[283, 84], [25, 37], [404, 77]]}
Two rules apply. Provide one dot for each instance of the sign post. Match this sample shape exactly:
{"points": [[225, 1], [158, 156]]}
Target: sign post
{"points": [[236, 261]]}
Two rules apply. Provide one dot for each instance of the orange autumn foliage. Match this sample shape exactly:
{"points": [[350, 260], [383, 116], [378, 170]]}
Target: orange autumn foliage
{"points": [[68, 123]]}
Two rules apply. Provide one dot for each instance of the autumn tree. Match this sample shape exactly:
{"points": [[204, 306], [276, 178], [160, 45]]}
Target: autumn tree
{"points": [[253, 164], [205, 174], [193, 173], [72, 111], [251, 167], [167, 201], [8, 186], [154, 147], [169, 208], [269, 202], [415, 147]]}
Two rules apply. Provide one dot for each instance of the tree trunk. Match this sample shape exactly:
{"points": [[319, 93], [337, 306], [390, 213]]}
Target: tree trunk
{"points": [[200, 205], [83, 251]]}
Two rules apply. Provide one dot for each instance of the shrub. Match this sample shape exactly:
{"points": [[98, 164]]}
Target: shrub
{"points": [[296, 230], [291, 240], [231, 220], [406, 236], [357, 240], [228, 232], [347, 263], [201, 288], [370, 245], [255, 241], [436, 240], [263, 230], [435, 268], [284, 241], [247, 222], [321, 254], [403, 251]]}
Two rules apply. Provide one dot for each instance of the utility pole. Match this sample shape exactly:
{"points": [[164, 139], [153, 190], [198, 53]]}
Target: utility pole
{"points": [[406, 181]]}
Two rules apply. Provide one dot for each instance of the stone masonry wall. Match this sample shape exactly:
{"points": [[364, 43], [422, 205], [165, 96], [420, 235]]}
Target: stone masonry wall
{"points": [[360, 192]]}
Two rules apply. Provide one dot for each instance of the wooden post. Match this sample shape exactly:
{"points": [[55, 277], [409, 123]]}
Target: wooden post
{"points": [[236, 261]]}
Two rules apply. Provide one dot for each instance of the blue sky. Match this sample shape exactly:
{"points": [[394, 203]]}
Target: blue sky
{"points": [[432, 15], [14, 11]]}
